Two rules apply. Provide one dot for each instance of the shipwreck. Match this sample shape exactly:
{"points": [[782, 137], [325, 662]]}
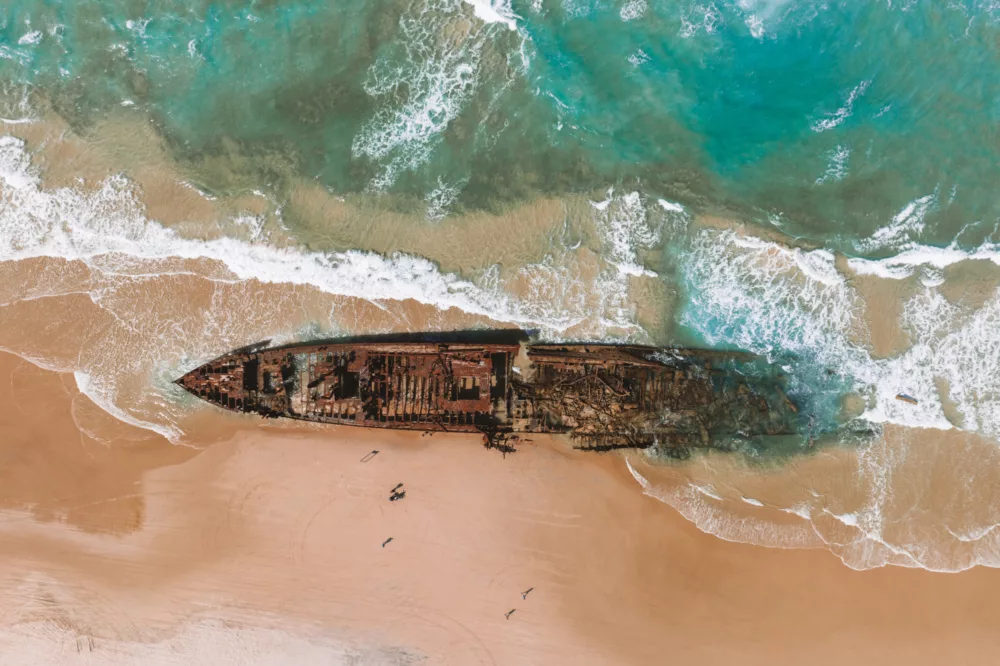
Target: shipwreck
{"points": [[603, 396]]}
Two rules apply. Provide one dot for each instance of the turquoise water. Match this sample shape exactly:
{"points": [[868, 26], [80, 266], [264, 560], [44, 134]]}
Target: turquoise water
{"points": [[863, 127], [866, 132], [827, 119]]}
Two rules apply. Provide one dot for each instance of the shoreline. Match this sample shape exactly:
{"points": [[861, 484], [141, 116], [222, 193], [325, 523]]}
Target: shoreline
{"points": [[598, 173], [279, 529]]}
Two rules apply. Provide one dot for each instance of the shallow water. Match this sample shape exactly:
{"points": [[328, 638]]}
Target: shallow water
{"points": [[815, 184]]}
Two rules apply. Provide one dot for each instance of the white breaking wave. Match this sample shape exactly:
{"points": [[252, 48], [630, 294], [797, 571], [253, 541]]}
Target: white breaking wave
{"points": [[909, 255], [836, 166], [962, 348], [106, 229], [670, 206], [903, 264], [424, 82], [905, 225], [494, 11], [766, 9], [700, 18], [75, 225], [638, 58], [770, 298], [627, 228], [706, 510], [441, 197], [758, 12], [765, 297], [632, 9], [100, 397], [32, 37], [844, 112], [707, 491]]}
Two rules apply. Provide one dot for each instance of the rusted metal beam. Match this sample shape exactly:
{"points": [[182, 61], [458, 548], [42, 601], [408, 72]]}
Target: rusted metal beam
{"points": [[604, 396]]}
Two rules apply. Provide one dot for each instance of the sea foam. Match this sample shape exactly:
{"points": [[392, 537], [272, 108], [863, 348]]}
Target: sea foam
{"points": [[700, 18], [494, 11], [627, 228], [906, 225], [632, 9], [32, 37], [836, 170], [707, 511], [769, 298], [106, 229], [77, 225], [916, 256], [836, 118], [422, 84], [777, 300]]}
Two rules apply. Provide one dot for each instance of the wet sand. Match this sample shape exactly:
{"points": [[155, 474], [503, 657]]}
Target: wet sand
{"points": [[256, 542], [265, 539]]}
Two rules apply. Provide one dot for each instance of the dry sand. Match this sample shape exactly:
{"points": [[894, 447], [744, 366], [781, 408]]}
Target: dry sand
{"points": [[264, 547]]}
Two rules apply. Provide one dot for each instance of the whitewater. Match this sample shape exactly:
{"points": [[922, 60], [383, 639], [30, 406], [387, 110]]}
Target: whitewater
{"points": [[795, 306], [729, 174]]}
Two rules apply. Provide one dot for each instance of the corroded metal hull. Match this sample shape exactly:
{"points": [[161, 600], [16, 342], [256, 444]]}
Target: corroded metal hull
{"points": [[604, 396]]}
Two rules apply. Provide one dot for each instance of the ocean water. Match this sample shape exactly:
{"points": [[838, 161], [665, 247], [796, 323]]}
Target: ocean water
{"points": [[830, 120], [813, 182]]}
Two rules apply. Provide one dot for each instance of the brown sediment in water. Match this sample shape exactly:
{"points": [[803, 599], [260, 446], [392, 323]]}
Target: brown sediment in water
{"points": [[461, 242], [948, 406], [744, 228], [542, 252], [909, 497], [263, 526], [882, 301], [970, 284], [126, 143], [112, 533]]}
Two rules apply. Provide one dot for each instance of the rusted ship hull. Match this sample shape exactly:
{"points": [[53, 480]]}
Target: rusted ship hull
{"points": [[604, 396]]}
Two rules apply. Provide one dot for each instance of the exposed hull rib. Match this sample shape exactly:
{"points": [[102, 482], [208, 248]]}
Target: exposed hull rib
{"points": [[604, 396]]}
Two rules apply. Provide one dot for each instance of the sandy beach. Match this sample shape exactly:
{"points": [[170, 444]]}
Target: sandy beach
{"points": [[807, 183], [264, 541]]}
